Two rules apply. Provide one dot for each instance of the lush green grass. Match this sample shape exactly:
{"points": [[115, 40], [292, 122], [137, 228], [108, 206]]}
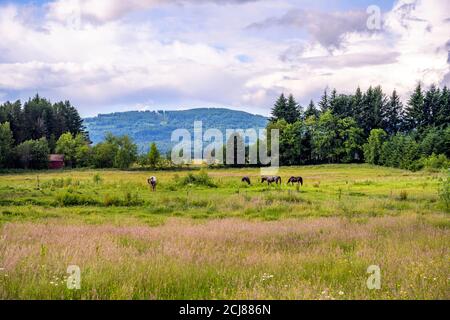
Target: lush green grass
{"points": [[191, 240]]}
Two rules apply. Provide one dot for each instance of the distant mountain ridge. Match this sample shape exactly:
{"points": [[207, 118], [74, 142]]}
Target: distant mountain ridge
{"points": [[145, 127]]}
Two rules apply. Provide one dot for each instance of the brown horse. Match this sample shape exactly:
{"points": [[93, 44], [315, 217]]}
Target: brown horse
{"points": [[298, 180], [247, 180], [272, 179], [152, 182]]}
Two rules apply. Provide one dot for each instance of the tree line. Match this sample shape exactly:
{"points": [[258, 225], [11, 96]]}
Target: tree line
{"points": [[362, 127], [366, 126]]}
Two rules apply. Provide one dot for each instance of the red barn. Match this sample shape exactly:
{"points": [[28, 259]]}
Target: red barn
{"points": [[56, 161]]}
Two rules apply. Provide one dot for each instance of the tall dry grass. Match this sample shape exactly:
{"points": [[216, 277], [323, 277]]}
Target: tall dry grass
{"points": [[320, 258]]}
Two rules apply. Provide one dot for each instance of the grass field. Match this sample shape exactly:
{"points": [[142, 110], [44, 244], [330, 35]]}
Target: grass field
{"points": [[226, 240]]}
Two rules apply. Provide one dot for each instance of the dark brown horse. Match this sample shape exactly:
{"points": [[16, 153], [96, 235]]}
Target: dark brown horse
{"points": [[247, 180], [298, 180], [272, 179], [152, 182]]}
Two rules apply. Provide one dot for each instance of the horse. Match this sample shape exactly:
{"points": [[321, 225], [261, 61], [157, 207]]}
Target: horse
{"points": [[270, 180], [152, 182], [298, 180], [247, 180]]}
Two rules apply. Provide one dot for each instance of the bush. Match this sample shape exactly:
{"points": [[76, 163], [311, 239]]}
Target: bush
{"points": [[200, 179], [435, 162], [74, 199], [403, 196], [129, 200], [444, 190], [97, 178]]}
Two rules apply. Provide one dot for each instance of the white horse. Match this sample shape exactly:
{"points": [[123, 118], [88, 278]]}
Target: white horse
{"points": [[152, 181]]}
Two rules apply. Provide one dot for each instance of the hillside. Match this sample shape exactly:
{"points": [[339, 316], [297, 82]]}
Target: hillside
{"points": [[146, 127]]}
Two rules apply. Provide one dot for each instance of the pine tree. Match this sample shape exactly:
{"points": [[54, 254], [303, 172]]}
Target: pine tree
{"points": [[293, 110], [414, 111], [431, 106], [380, 103], [287, 109], [366, 113], [311, 111], [324, 103], [6, 144], [392, 114], [357, 106], [279, 108], [443, 114], [332, 100]]}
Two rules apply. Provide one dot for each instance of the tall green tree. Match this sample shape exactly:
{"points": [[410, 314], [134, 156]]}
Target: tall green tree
{"points": [[153, 156], [126, 154], [392, 114], [372, 149], [287, 109], [357, 107], [324, 103], [443, 114], [311, 111], [431, 106], [6, 145], [415, 117], [33, 154], [76, 149]]}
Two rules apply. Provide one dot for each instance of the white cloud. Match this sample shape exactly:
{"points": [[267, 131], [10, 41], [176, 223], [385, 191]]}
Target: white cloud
{"points": [[187, 55]]}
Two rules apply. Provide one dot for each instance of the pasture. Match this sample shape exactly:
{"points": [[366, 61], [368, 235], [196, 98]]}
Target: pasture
{"points": [[219, 238]]}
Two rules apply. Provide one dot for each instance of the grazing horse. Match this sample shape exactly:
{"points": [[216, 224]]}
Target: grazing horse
{"points": [[270, 180], [246, 179], [152, 181], [298, 180]]}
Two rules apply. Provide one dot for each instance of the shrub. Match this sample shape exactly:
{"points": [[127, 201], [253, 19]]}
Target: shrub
{"points": [[74, 199], [435, 162], [444, 190], [200, 179], [97, 178], [129, 200], [403, 196]]}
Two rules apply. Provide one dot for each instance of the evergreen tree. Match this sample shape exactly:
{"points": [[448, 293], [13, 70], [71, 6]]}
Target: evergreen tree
{"points": [[414, 117], [287, 109], [332, 100], [392, 114], [380, 103], [311, 111], [357, 107], [366, 114], [279, 108], [431, 106], [6, 145], [324, 103], [443, 114]]}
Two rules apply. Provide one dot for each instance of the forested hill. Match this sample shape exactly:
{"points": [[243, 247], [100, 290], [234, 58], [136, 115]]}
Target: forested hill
{"points": [[145, 127]]}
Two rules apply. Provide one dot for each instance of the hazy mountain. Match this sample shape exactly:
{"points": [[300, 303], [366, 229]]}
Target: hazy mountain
{"points": [[146, 127]]}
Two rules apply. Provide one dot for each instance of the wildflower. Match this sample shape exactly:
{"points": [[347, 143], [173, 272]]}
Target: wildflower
{"points": [[266, 276], [341, 293]]}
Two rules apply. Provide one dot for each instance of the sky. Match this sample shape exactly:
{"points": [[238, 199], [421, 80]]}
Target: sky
{"points": [[113, 55]]}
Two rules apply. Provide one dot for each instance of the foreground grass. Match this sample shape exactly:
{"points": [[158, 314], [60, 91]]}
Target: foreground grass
{"points": [[231, 242], [321, 258]]}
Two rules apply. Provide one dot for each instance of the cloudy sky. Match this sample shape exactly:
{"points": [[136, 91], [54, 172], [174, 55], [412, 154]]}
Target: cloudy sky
{"points": [[114, 55]]}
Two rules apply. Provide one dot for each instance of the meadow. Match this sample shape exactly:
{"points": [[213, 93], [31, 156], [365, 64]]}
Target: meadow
{"points": [[207, 235]]}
